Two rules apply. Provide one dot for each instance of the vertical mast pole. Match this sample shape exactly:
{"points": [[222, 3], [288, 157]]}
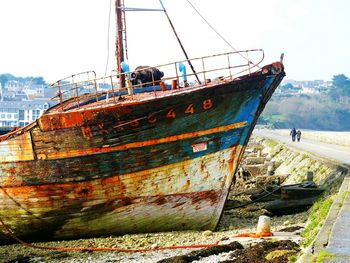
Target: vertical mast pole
{"points": [[119, 52]]}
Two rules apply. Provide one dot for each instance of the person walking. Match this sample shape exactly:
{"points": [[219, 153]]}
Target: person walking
{"points": [[298, 135], [293, 133]]}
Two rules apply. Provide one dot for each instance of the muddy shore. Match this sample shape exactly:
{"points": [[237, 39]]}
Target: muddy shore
{"points": [[234, 221]]}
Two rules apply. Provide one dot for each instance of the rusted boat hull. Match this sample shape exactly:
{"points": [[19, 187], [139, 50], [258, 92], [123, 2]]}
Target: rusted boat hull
{"points": [[170, 197], [157, 164]]}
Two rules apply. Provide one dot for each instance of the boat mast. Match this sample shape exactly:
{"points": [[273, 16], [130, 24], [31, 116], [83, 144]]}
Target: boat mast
{"points": [[178, 39], [119, 51]]}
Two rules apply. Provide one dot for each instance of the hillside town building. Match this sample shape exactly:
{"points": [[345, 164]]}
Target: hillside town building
{"points": [[306, 86], [21, 113], [22, 103]]}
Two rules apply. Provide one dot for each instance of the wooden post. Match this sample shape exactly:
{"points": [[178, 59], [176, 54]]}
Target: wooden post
{"points": [[270, 168], [310, 176], [258, 154]]}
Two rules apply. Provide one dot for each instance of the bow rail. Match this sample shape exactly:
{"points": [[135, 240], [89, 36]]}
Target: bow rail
{"points": [[209, 69]]}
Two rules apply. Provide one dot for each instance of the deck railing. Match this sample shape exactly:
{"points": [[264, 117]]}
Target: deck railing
{"points": [[221, 67]]}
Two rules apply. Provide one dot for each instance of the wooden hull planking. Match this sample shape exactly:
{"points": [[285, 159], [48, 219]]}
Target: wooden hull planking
{"points": [[159, 165]]}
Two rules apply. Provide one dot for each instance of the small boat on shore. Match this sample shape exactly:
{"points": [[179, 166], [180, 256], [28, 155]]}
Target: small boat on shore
{"points": [[289, 199], [157, 151]]}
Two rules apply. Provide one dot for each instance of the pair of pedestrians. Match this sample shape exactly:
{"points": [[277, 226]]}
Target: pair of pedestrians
{"points": [[295, 134]]}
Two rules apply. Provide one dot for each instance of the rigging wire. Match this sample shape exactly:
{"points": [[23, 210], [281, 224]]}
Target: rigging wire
{"points": [[180, 43], [207, 22]]}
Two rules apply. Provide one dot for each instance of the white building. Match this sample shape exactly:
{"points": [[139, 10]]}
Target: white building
{"points": [[21, 113], [34, 91]]}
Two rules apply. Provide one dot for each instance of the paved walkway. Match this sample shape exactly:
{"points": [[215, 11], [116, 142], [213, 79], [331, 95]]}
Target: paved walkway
{"points": [[334, 237], [330, 151]]}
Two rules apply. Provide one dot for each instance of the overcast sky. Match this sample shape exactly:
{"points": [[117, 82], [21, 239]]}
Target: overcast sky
{"points": [[56, 38]]}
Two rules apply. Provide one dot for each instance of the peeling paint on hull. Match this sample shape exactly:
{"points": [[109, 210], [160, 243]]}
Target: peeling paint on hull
{"points": [[161, 164], [166, 198]]}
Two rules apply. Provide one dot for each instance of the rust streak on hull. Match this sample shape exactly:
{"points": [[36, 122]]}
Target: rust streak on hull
{"points": [[141, 143], [17, 149], [150, 163], [135, 201]]}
